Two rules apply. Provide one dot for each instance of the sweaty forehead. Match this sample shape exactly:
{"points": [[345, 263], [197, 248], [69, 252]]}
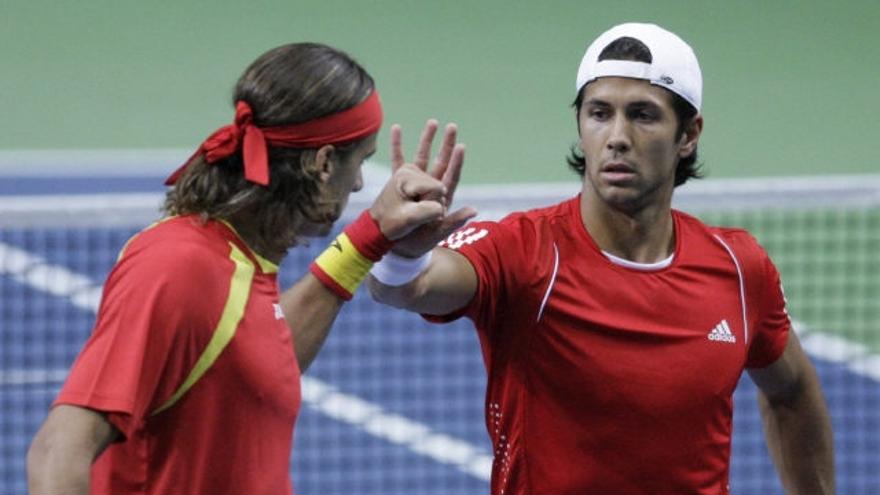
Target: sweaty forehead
{"points": [[624, 91]]}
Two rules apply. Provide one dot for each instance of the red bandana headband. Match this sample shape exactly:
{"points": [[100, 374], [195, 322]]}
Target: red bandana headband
{"points": [[346, 126]]}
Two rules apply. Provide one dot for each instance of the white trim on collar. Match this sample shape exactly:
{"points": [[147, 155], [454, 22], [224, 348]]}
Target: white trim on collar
{"points": [[642, 267]]}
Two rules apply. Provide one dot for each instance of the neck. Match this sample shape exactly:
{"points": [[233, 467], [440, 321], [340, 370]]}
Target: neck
{"points": [[642, 235], [247, 231]]}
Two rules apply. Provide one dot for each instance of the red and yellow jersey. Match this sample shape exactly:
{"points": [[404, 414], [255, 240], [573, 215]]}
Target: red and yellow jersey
{"points": [[608, 377], [192, 361]]}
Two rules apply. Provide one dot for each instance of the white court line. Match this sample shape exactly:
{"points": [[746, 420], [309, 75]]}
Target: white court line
{"points": [[32, 377], [37, 273], [854, 356]]}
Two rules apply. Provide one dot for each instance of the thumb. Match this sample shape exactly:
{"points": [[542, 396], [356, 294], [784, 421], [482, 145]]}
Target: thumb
{"points": [[421, 186], [420, 212]]}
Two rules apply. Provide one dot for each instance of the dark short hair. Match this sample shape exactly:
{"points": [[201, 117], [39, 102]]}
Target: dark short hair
{"points": [[286, 85], [627, 48]]}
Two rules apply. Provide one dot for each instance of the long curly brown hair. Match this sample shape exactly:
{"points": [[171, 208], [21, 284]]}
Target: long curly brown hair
{"points": [[286, 85]]}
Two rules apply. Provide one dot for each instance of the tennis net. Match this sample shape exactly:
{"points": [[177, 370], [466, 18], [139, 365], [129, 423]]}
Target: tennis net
{"points": [[393, 405]]}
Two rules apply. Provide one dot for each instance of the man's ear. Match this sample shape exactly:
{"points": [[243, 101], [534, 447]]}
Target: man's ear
{"points": [[325, 161], [691, 137]]}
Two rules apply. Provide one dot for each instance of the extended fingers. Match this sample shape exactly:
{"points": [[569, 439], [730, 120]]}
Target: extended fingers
{"points": [[424, 151], [441, 163], [453, 173], [397, 158]]}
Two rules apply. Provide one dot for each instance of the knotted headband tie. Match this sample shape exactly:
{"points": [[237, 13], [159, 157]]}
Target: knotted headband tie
{"points": [[346, 126]]}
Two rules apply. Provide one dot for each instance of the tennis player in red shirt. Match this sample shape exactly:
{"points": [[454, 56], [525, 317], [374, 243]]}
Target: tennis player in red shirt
{"points": [[614, 328], [190, 381]]}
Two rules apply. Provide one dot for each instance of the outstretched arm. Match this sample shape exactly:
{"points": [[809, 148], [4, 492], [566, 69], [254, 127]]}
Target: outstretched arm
{"points": [[445, 285], [796, 422], [410, 199], [448, 281], [60, 457]]}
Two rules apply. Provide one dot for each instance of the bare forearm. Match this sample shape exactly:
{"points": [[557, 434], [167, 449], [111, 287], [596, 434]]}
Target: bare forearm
{"points": [[446, 285], [799, 438], [60, 457], [52, 474], [310, 309], [402, 297], [414, 297]]}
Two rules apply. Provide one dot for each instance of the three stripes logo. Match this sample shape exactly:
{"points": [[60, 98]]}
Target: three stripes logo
{"points": [[722, 333]]}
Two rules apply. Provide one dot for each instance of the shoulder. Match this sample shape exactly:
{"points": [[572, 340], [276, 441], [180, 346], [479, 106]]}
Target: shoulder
{"points": [[171, 281], [181, 252], [538, 218], [736, 245], [516, 231], [537, 223], [180, 241], [741, 242], [733, 238]]}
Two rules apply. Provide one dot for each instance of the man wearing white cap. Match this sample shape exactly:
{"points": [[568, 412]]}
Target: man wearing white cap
{"points": [[615, 329]]}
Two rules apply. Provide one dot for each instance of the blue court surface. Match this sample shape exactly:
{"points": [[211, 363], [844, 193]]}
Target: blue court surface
{"points": [[393, 405]]}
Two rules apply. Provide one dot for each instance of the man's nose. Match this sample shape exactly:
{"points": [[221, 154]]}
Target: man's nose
{"points": [[619, 135], [358, 182]]}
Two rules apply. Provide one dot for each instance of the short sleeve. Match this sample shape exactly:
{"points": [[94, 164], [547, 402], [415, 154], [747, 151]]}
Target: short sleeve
{"points": [[157, 314], [493, 250], [772, 322]]}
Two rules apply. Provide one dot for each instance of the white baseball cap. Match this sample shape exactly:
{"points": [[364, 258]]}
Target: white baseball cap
{"points": [[674, 65]]}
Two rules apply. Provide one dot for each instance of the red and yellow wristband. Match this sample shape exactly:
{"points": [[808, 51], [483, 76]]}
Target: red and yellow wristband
{"points": [[347, 260]]}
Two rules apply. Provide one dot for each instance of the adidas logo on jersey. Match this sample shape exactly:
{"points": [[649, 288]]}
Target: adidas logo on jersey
{"points": [[462, 237], [722, 333]]}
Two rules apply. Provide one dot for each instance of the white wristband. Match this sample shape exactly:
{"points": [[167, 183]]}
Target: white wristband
{"points": [[397, 270]]}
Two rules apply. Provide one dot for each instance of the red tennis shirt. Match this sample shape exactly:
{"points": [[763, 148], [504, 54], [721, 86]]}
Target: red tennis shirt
{"points": [[185, 296], [613, 379]]}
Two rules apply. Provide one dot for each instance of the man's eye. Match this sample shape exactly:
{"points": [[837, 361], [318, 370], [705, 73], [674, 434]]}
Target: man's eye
{"points": [[645, 116]]}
